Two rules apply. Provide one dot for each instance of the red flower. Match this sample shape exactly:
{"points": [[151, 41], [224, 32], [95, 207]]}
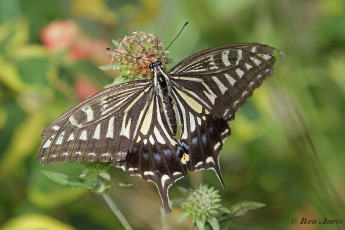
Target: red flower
{"points": [[59, 35], [67, 35]]}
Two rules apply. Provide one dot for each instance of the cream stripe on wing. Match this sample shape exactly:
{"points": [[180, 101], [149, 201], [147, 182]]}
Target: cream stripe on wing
{"points": [[220, 85], [190, 101], [225, 57], [147, 120]]}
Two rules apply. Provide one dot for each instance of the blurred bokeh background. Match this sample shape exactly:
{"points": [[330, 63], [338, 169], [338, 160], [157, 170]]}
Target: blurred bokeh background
{"points": [[287, 144]]}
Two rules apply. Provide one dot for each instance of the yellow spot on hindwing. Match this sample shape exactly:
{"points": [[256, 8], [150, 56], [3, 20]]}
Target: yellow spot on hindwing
{"points": [[184, 158]]}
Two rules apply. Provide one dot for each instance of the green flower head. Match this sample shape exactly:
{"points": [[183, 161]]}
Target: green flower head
{"points": [[202, 205], [133, 55]]}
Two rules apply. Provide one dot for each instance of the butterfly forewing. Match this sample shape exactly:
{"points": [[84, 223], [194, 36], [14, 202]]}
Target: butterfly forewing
{"points": [[96, 128], [223, 78], [125, 124], [208, 88]]}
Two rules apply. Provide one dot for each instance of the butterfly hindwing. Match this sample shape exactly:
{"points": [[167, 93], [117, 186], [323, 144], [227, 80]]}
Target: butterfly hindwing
{"points": [[156, 154], [202, 135]]}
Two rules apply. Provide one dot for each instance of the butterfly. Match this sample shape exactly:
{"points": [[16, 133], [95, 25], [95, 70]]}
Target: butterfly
{"points": [[161, 127]]}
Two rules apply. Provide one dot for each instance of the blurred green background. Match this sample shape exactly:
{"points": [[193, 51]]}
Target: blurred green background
{"points": [[287, 144]]}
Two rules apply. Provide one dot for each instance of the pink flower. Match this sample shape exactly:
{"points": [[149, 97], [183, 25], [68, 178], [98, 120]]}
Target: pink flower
{"points": [[67, 35], [60, 35]]}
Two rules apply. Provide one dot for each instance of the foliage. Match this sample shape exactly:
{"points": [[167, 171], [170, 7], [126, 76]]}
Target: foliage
{"points": [[89, 179]]}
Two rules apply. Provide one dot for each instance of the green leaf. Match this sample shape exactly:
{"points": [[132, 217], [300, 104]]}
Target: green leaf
{"points": [[214, 223], [14, 82], [14, 34], [225, 210], [89, 173], [108, 67], [183, 191], [105, 188], [66, 180], [241, 208], [200, 225], [117, 80], [105, 175], [121, 184], [177, 201], [27, 133], [183, 216], [44, 192], [92, 173], [31, 69], [115, 43], [35, 221], [102, 188]]}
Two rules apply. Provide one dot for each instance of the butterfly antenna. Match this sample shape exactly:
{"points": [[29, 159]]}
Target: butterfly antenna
{"points": [[176, 36], [157, 47]]}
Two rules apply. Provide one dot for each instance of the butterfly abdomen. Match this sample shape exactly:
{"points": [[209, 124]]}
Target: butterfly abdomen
{"points": [[167, 101], [170, 112]]}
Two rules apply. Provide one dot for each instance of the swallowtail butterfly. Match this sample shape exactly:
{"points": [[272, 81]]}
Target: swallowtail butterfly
{"points": [[135, 125]]}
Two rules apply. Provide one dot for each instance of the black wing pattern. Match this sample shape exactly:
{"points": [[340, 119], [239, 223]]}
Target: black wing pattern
{"points": [[125, 125], [208, 88], [134, 125], [96, 128]]}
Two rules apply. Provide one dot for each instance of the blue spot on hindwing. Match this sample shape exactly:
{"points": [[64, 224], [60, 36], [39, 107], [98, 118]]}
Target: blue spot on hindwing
{"points": [[145, 155], [195, 141], [210, 129], [167, 153], [203, 138], [157, 157], [179, 152], [185, 146]]}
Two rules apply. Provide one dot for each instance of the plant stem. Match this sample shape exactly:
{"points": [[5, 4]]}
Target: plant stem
{"points": [[115, 209], [164, 220]]}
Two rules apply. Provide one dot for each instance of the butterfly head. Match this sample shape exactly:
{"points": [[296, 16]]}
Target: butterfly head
{"points": [[154, 65]]}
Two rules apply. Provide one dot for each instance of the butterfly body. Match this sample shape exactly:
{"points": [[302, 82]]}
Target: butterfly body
{"points": [[135, 125]]}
